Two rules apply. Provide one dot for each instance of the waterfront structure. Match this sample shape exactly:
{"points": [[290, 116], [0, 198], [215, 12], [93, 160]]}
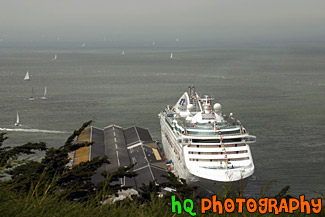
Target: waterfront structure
{"points": [[123, 147]]}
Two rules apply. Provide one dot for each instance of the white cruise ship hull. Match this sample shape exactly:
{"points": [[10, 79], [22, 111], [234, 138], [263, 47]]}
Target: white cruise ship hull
{"points": [[183, 167], [203, 142]]}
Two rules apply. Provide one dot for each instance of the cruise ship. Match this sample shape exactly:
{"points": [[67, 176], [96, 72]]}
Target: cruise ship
{"points": [[200, 141]]}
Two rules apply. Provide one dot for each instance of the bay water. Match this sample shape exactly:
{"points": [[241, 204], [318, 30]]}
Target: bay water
{"points": [[276, 91]]}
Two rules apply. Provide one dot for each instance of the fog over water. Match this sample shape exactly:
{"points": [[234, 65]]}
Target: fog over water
{"points": [[127, 20]]}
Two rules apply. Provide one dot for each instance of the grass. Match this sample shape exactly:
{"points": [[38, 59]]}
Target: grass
{"points": [[19, 204]]}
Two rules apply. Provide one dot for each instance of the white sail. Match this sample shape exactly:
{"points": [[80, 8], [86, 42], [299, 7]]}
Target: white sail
{"points": [[153, 43], [55, 57], [123, 52], [32, 97], [26, 76], [45, 93], [171, 55], [83, 44], [17, 121]]}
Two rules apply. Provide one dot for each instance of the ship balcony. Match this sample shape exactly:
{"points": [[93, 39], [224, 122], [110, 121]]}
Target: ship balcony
{"points": [[217, 140], [204, 132], [219, 164], [219, 145], [208, 150], [219, 156]]}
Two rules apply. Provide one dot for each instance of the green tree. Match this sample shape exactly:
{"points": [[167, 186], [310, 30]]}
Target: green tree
{"points": [[9, 156], [53, 175], [112, 183], [149, 191], [183, 190]]}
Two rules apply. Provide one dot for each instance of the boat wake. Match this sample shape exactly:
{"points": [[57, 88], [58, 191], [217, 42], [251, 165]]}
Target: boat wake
{"points": [[31, 130]]}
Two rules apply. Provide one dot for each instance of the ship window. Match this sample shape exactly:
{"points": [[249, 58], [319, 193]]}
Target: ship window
{"points": [[206, 140], [219, 160], [231, 132], [218, 153], [232, 140]]}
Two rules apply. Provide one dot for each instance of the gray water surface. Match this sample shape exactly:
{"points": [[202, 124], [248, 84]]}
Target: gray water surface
{"points": [[277, 92]]}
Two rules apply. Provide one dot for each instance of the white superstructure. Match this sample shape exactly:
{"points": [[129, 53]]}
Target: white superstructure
{"points": [[201, 141]]}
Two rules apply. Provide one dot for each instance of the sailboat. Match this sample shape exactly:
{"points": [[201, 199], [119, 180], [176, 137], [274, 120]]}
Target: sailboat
{"points": [[45, 92], [83, 44], [123, 52], [32, 97], [26, 76], [17, 120], [153, 43], [55, 57], [171, 55]]}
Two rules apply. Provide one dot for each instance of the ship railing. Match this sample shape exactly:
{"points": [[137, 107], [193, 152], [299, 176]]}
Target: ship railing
{"points": [[209, 127], [217, 149], [220, 152], [202, 129], [219, 156], [204, 134], [218, 160], [204, 145]]}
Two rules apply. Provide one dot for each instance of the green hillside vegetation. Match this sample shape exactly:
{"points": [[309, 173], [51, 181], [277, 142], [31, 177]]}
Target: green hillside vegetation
{"points": [[49, 187]]}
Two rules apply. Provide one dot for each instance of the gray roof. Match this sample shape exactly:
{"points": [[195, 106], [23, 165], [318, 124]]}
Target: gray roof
{"points": [[136, 134], [124, 147]]}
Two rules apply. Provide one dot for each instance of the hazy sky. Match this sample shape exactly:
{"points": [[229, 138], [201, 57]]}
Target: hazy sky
{"points": [[163, 19]]}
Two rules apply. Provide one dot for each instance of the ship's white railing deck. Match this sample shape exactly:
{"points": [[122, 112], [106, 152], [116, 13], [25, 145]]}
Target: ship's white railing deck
{"points": [[203, 129], [215, 145], [216, 152], [219, 149], [193, 159], [218, 156]]}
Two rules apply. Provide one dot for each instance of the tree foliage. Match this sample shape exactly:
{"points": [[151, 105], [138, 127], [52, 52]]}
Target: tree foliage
{"points": [[9, 156], [180, 185], [149, 191], [114, 181], [53, 175]]}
